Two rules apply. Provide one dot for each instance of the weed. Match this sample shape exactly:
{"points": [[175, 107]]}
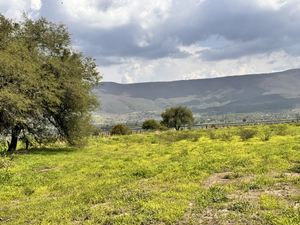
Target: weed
{"points": [[269, 202], [5, 174], [231, 176], [28, 191], [241, 206], [214, 194]]}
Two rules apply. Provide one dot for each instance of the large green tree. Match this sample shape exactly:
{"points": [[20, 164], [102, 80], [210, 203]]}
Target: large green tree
{"points": [[177, 117], [45, 86]]}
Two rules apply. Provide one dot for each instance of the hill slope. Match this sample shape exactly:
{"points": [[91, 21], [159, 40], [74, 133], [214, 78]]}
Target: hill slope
{"points": [[236, 94]]}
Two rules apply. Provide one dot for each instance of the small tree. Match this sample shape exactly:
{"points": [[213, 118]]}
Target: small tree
{"points": [[120, 129], [176, 117], [151, 125]]}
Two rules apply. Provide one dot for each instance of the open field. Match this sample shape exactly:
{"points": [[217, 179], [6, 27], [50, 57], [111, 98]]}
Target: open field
{"points": [[189, 177]]}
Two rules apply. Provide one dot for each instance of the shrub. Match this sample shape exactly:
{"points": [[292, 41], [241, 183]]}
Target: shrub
{"points": [[212, 135], [178, 136], [225, 136], [163, 127], [120, 129], [280, 129], [151, 125], [265, 134], [246, 134]]}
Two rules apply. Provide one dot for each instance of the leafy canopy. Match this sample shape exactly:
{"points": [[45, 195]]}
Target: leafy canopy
{"points": [[45, 86], [151, 124], [177, 117], [120, 129]]}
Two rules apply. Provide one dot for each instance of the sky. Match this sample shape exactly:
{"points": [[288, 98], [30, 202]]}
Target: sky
{"points": [[161, 40]]}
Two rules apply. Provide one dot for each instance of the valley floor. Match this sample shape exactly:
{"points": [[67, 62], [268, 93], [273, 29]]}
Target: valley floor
{"points": [[187, 177]]}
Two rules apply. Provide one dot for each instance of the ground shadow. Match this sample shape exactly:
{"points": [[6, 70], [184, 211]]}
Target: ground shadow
{"points": [[48, 150], [295, 169]]}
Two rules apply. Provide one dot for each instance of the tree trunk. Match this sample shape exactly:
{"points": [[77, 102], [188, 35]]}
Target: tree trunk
{"points": [[14, 139], [27, 144]]}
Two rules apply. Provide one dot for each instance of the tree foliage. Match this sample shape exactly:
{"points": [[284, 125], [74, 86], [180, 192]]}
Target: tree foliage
{"points": [[120, 129], [45, 86], [151, 124], [177, 117]]}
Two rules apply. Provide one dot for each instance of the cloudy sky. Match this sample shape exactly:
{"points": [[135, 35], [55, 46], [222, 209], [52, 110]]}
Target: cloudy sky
{"points": [[155, 40]]}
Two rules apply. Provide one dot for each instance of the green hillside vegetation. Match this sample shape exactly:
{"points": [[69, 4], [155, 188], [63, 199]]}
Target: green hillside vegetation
{"points": [[226, 176]]}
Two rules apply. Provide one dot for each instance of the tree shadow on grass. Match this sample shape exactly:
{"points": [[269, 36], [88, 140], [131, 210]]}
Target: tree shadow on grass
{"points": [[48, 150]]}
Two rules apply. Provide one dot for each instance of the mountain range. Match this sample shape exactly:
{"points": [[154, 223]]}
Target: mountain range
{"points": [[262, 93]]}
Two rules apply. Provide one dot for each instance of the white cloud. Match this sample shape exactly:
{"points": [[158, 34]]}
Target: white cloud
{"points": [[115, 13], [142, 40], [36, 5], [15, 8], [195, 68], [272, 4]]}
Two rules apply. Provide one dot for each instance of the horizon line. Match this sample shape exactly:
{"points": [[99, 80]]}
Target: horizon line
{"points": [[208, 78]]}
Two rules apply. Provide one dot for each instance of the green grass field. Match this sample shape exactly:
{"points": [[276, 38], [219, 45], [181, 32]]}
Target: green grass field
{"points": [[186, 177]]}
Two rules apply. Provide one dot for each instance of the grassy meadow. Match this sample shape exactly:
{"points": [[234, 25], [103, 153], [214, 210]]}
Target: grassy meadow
{"points": [[226, 176]]}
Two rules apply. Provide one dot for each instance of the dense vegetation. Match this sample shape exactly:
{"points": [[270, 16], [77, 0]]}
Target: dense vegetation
{"points": [[177, 117], [45, 86], [151, 124], [223, 176], [120, 129]]}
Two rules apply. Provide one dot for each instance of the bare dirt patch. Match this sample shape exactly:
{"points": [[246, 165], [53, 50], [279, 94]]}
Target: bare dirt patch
{"points": [[242, 204], [217, 178], [45, 169], [284, 191], [224, 179]]}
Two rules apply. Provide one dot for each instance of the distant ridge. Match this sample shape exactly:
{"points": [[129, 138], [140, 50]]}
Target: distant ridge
{"points": [[269, 92], [207, 78]]}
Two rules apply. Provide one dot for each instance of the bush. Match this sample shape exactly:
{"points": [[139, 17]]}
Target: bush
{"points": [[246, 134], [151, 125], [120, 129], [265, 134], [280, 130], [225, 136], [212, 135], [172, 137], [163, 127]]}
